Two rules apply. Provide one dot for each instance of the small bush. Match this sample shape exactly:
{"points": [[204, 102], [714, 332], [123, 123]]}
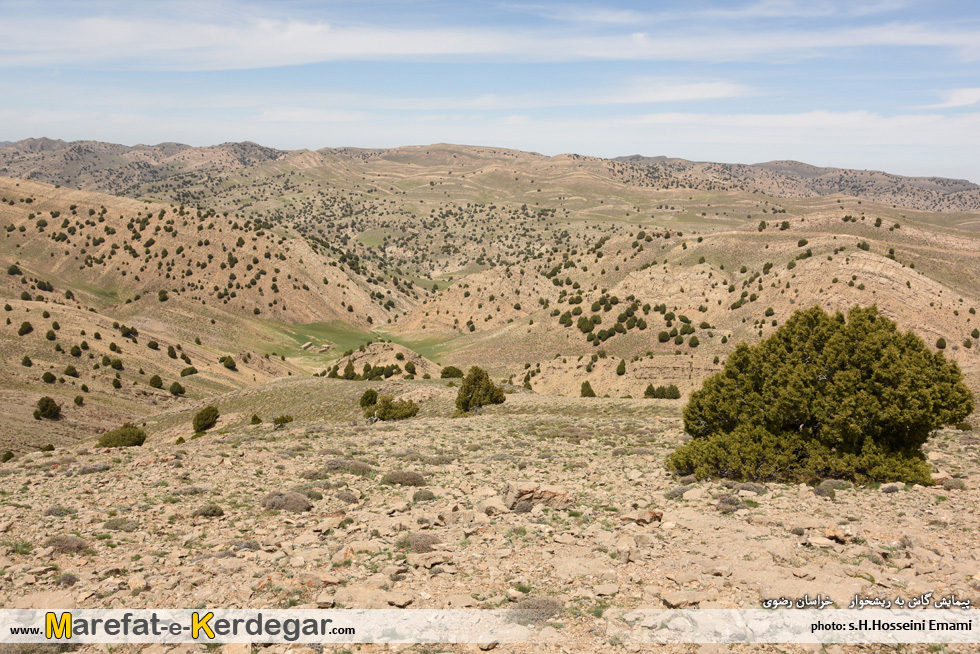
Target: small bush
{"points": [[587, 389], [121, 524], [48, 377], [350, 466], [423, 495], [825, 491], [279, 421], [209, 511], [451, 372], [66, 544], [48, 408], [403, 478], [156, 382], [278, 501], [128, 435], [25, 329], [420, 543], [256, 420], [176, 389], [206, 418], [954, 484], [7, 456], [388, 408]]}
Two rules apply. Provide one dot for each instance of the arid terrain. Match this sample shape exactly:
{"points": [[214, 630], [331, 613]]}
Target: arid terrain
{"points": [[141, 284]]}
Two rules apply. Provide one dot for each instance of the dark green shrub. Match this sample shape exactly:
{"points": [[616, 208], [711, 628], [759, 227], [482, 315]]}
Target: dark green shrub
{"points": [[7, 456], [228, 362], [256, 420], [477, 390], [388, 408], [25, 328], [156, 382], [409, 367], [188, 371], [621, 368], [206, 418], [48, 378], [451, 372], [128, 435], [941, 343], [587, 389], [176, 389], [48, 408], [824, 396], [279, 421], [48, 448], [79, 400], [370, 398], [26, 362]]}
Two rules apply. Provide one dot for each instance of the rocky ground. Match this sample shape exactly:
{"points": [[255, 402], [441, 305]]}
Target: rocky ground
{"points": [[561, 504]]}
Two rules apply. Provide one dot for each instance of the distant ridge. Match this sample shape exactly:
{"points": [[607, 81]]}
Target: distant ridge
{"points": [[790, 179], [125, 170]]}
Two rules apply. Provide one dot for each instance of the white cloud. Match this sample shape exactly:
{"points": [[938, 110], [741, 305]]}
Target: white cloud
{"points": [[251, 43], [958, 98]]}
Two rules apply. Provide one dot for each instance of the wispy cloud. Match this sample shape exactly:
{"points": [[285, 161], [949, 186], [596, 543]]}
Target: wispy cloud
{"points": [[957, 98], [252, 43]]}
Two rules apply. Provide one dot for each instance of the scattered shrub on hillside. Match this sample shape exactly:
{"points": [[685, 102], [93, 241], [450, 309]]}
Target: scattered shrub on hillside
{"points": [[48, 377], [388, 408], [25, 329], [587, 389], [176, 389], [669, 392], [824, 396], [369, 398], [129, 435], [451, 372], [7, 456], [477, 390], [156, 382], [279, 421], [26, 362], [47, 408], [256, 420], [206, 418]]}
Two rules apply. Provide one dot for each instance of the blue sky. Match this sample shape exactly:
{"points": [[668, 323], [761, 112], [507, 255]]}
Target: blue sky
{"points": [[882, 84]]}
